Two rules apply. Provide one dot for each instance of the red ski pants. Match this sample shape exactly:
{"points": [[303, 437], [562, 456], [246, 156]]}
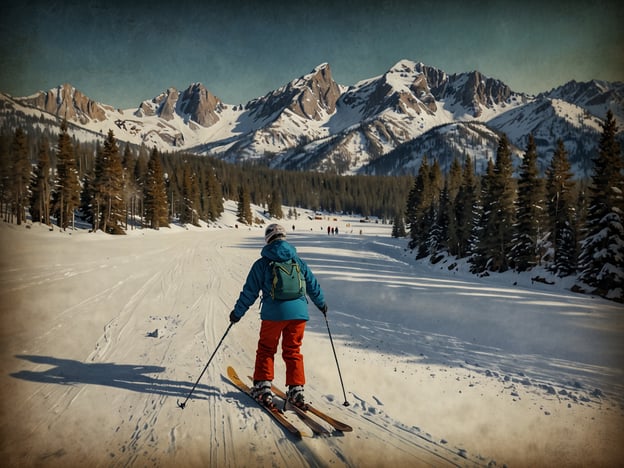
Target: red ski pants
{"points": [[291, 332]]}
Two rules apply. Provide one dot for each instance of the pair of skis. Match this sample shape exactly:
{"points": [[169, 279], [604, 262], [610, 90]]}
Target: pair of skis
{"points": [[281, 418]]}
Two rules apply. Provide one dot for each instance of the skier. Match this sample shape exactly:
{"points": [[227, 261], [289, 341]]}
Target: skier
{"points": [[285, 318]]}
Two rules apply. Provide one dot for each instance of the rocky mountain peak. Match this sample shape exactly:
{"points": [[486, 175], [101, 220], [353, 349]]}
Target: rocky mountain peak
{"points": [[475, 91], [162, 105], [196, 103], [594, 94], [168, 103], [66, 102], [200, 105], [405, 88], [309, 96], [319, 94]]}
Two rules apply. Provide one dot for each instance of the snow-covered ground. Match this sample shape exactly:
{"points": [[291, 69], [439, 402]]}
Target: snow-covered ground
{"points": [[441, 368]]}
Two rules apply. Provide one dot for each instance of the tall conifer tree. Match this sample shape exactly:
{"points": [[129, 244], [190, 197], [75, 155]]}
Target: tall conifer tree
{"points": [[465, 206], [504, 213], [244, 206], [498, 218], [191, 192], [398, 227], [418, 203], [561, 212], [155, 194], [433, 243], [525, 251], [21, 175], [480, 237], [128, 163], [275, 204], [447, 221], [41, 186], [67, 193], [188, 207], [602, 250], [108, 188], [140, 181], [213, 197]]}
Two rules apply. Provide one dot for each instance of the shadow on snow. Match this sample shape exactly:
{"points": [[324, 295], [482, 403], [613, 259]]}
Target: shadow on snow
{"points": [[135, 378]]}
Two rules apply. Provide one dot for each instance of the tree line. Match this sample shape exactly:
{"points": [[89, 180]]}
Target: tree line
{"points": [[499, 222], [496, 221], [116, 188]]}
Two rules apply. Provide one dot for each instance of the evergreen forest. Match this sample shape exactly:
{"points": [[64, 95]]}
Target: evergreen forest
{"points": [[116, 187], [498, 221], [501, 222]]}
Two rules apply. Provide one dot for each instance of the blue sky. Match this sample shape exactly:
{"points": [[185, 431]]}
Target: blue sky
{"points": [[122, 54]]}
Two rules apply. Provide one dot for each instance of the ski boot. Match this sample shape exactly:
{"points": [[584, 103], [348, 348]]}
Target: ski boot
{"points": [[295, 397], [261, 392]]}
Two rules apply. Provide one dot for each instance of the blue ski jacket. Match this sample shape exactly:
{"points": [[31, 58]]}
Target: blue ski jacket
{"points": [[260, 279]]}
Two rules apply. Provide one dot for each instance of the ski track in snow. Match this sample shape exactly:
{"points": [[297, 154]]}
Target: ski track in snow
{"points": [[112, 342]]}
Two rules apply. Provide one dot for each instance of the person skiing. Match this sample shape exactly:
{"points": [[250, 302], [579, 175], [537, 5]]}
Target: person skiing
{"points": [[285, 318]]}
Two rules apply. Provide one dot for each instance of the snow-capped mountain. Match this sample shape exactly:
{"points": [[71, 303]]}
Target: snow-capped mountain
{"points": [[68, 103], [384, 124]]}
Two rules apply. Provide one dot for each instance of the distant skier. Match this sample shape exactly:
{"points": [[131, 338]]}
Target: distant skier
{"points": [[280, 318]]}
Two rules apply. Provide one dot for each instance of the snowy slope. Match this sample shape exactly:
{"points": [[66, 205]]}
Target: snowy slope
{"points": [[441, 368]]}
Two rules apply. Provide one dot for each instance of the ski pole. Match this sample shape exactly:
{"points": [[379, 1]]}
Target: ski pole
{"points": [[183, 404], [346, 403]]}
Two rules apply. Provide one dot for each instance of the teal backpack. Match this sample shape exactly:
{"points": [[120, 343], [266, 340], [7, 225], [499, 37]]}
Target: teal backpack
{"points": [[288, 282]]}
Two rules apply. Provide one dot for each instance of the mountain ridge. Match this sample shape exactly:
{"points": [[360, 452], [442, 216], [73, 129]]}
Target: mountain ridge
{"points": [[314, 123]]}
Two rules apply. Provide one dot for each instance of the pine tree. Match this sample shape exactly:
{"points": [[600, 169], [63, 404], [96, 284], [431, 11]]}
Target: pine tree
{"points": [[108, 188], [5, 174], [275, 204], [502, 197], [244, 206], [140, 181], [213, 198], [479, 244], [67, 190], [155, 194], [88, 202], [431, 245], [454, 179], [525, 251], [418, 203], [561, 212], [580, 218], [465, 205], [128, 163], [41, 186], [602, 251], [436, 182], [498, 216], [398, 227], [448, 211], [21, 175], [188, 214], [447, 221]]}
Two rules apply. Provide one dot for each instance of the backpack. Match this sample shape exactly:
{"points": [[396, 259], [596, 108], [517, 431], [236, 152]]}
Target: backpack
{"points": [[288, 282]]}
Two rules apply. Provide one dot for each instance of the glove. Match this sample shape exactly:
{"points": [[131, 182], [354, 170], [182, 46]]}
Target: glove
{"points": [[323, 309], [233, 317]]}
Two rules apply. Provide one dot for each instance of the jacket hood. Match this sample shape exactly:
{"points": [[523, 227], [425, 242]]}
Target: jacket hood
{"points": [[279, 251]]}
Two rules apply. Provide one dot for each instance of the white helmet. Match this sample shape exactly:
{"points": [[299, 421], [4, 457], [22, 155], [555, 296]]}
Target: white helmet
{"points": [[274, 231]]}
